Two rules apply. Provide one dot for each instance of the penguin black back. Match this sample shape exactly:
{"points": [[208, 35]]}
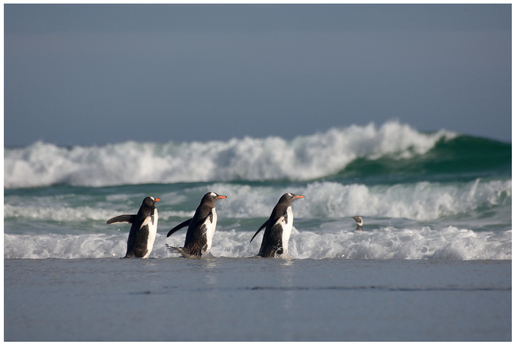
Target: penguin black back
{"points": [[278, 228], [143, 229], [201, 227]]}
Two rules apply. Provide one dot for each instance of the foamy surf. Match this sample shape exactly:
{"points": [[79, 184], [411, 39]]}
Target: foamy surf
{"points": [[423, 196], [252, 159], [450, 243], [417, 201]]}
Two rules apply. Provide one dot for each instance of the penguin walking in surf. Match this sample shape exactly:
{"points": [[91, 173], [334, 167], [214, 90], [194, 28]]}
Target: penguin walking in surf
{"points": [[143, 229], [359, 221], [201, 228], [278, 228]]}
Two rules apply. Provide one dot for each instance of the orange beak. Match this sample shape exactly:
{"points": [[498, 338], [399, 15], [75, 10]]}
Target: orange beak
{"points": [[299, 196], [221, 197], [156, 200]]}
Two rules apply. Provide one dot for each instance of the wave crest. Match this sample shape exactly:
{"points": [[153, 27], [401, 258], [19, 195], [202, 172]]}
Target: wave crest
{"points": [[271, 158], [416, 201]]}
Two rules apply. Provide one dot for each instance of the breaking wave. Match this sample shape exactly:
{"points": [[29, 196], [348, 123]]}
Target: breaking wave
{"points": [[417, 201], [272, 158]]}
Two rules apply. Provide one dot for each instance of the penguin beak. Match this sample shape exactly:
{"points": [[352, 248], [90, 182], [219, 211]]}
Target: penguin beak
{"points": [[221, 197], [299, 196], [156, 200]]}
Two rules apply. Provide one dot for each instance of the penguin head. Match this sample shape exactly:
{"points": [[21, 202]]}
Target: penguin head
{"points": [[150, 201], [289, 197], [359, 220], [211, 197]]}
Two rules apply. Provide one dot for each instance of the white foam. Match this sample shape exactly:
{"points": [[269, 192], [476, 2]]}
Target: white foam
{"points": [[64, 246], [417, 201], [303, 158], [449, 243], [56, 213], [75, 214]]}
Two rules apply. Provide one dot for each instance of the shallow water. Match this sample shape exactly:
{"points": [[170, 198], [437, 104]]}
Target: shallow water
{"points": [[238, 299]]}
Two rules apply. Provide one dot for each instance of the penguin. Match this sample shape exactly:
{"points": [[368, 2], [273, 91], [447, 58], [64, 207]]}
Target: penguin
{"points": [[359, 221], [278, 228], [201, 228], [143, 229]]}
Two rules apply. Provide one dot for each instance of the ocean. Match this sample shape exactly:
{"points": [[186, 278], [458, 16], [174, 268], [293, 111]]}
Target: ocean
{"points": [[432, 263]]}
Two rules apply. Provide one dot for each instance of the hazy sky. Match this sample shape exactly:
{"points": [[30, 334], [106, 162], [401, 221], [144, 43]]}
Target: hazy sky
{"points": [[96, 74]]}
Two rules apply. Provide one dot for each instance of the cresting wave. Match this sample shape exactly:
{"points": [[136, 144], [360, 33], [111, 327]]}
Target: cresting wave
{"points": [[272, 158], [449, 243], [417, 201]]}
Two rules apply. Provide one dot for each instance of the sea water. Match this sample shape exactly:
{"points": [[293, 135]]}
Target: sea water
{"points": [[434, 205], [246, 299]]}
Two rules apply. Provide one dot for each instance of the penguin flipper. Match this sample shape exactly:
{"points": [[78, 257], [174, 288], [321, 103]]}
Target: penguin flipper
{"points": [[260, 229], [180, 226], [124, 218]]}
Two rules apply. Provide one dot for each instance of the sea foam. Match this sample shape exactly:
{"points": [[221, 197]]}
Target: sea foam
{"points": [[417, 201], [271, 158], [450, 243]]}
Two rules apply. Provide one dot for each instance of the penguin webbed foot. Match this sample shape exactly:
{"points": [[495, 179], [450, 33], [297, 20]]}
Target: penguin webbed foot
{"points": [[279, 254], [184, 254], [205, 255], [284, 256], [175, 250]]}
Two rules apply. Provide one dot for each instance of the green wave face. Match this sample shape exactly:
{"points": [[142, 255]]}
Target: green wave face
{"points": [[461, 157]]}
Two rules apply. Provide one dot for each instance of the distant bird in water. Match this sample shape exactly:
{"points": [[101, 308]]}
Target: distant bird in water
{"points": [[360, 222], [201, 229]]}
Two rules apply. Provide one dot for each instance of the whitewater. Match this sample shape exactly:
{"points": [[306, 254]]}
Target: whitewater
{"points": [[252, 159], [419, 193]]}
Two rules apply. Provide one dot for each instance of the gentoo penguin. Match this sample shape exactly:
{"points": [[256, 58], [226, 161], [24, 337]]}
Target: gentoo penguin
{"points": [[143, 229], [201, 228], [360, 222], [278, 228]]}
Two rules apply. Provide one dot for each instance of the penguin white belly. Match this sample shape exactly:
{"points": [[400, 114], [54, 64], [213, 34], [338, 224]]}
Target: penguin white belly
{"points": [[287, 229], [210, 229], [153, 230]]}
